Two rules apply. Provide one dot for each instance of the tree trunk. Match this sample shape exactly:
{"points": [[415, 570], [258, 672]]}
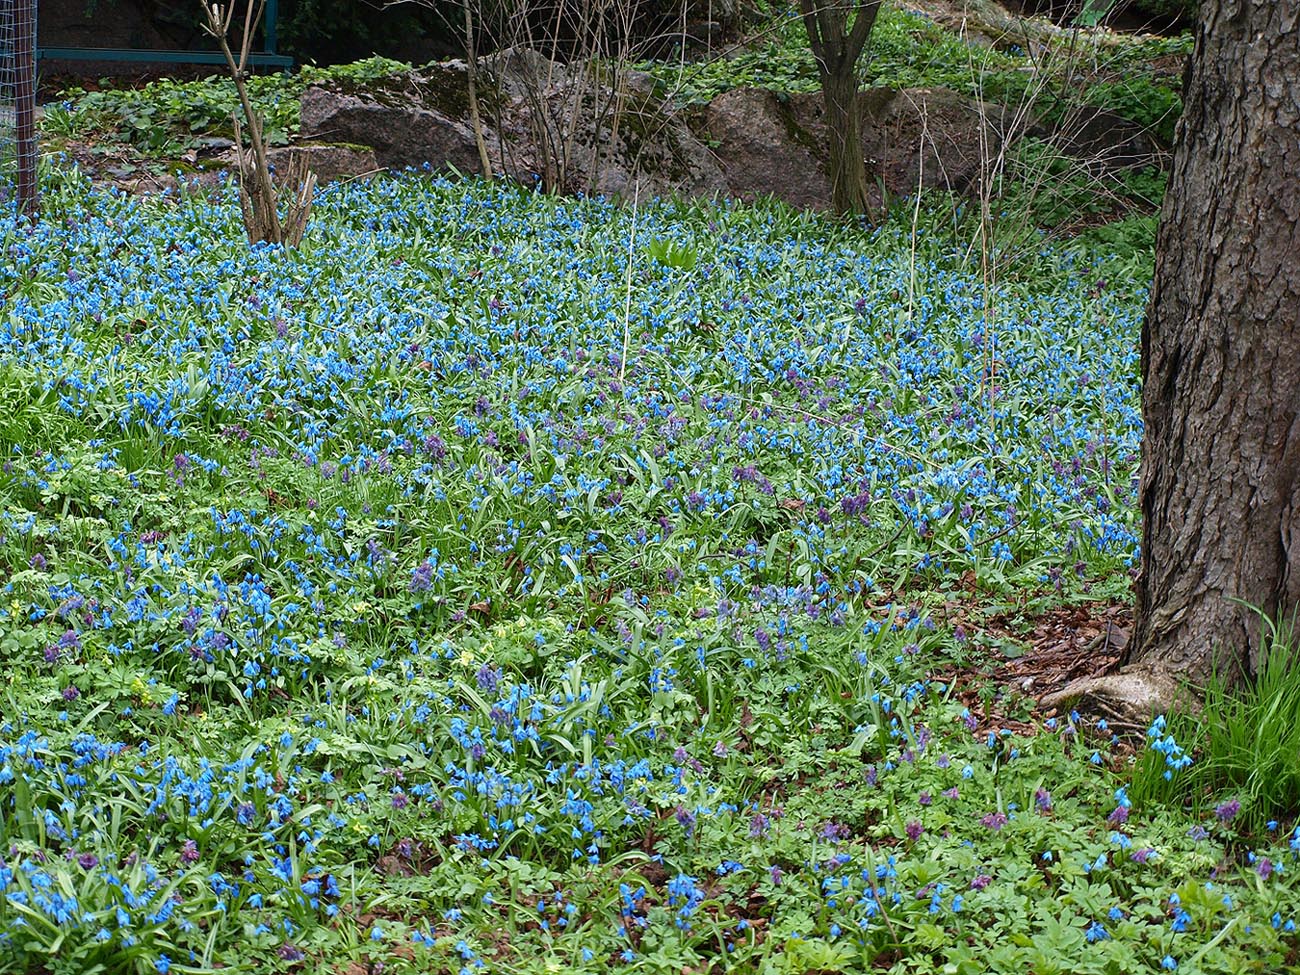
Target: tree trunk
{"points": [[1220, 486], [836, 47], [850, 191]]}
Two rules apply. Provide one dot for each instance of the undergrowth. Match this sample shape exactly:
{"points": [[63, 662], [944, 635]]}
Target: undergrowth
{"points": [[468, 590], [1238, 751], [165, 118]]}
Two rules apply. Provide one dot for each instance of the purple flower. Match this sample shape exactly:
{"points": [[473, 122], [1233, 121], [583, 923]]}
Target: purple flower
{"points": [[399, 800], [981, 881], [37, 562], [1264, 868], [924, 798], [288, 952], [189, 852], [994, 821], [434, 446], [914, 830], [835, 832], [776, 874], [1043, 800], [1119, 816], [87, 861], [686, 818], [1227, 810], [1142, 855], [70, 693], [487, 679], [422, 577]]}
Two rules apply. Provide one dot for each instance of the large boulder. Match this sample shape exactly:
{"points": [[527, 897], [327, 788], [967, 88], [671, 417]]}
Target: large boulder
{"points": [[538, 117], [775, 144], [583, 131], [764, 150], [328, 161], [934, 138], [407, 120], [1102, 139]]}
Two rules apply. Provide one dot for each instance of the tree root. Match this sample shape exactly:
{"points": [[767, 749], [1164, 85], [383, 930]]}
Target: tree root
{"points": [[1128, 699]]}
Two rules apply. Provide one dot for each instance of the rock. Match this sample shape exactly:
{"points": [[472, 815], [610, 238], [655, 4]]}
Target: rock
{"points": [[649, 152], [770, 144], [933, 137], [1106, 139], [625, 142], [764, 150], [328, 161], [568, 123], [406, 120], [612, 142], [988, 23]]}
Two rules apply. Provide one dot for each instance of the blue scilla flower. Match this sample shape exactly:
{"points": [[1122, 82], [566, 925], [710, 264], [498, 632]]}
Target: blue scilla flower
{"points": [[685, 896]]}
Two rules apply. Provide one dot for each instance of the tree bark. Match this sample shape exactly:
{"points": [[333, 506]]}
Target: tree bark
{"points": [[850, 192], [836, 47], [1220, 483]]}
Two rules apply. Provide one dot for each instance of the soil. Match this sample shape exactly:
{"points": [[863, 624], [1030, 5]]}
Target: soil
{"points": [[1060, 647]]}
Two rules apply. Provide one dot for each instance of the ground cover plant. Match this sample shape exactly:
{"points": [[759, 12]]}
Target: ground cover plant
{"points": [[484, 587], [168, 117], [1137, 76], [170, 124]]}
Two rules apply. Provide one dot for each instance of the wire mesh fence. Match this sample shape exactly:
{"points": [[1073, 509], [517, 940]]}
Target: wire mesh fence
{"points": [[18, 148]]}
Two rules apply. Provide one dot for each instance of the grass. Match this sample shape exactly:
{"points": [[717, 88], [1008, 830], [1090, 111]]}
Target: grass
{"points": [[367, 604], [1245, 741]]}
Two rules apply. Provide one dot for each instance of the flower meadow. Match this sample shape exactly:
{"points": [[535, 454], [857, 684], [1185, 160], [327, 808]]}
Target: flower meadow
{"points": [[509, 583]]}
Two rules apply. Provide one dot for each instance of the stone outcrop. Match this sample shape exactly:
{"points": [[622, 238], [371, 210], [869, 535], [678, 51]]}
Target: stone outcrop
{"points": [[772, 144], [575, 129], [540, 118]]}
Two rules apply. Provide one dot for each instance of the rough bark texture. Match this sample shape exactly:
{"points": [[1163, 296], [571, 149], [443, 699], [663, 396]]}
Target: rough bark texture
{"points": [[1220, 488], [850, 192]]}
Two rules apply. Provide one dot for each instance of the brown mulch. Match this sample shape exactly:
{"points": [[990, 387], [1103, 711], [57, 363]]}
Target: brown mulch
{"points": [[1066, 645], [1062, 646]]}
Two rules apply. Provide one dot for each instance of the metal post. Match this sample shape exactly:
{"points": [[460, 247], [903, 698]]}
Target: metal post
{"points": [[24, 53], [268, 23]]}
